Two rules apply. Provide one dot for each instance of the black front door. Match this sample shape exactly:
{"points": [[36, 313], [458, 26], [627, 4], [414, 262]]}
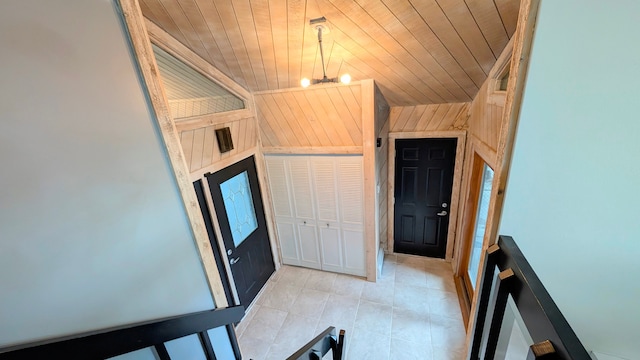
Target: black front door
{"points": [[238, 202], [423, 183]]}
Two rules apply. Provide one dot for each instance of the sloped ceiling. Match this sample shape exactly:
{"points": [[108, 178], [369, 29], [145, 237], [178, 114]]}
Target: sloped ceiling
{"points": [[418, 51]]}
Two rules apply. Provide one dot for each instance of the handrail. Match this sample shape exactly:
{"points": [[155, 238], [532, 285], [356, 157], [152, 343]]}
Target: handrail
{"points": [[121, 340], [551, 333], [320, 346]]}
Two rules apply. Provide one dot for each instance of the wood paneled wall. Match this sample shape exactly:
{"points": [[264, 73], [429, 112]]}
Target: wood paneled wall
{"points": [[485, 112], [485, 115], [382, 164], [432, 117], [318, 117], [201, 148]]}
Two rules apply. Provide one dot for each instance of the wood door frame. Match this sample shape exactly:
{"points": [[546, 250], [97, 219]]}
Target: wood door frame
{"points": [[475, 148], [461, 136]]}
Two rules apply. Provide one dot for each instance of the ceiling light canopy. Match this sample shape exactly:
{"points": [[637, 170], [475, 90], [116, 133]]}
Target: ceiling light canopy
{"points": [[319, 25]]}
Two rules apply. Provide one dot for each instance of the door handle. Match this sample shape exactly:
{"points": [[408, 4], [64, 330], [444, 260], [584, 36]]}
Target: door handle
{"points": [[234, 260], [442, 213]]}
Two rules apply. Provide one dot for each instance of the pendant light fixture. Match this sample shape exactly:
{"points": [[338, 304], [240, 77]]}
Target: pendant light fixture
{"points": [[319, 25]]}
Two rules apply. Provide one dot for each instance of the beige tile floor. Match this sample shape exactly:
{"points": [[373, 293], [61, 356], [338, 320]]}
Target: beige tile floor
{"points": [[412, 312]]}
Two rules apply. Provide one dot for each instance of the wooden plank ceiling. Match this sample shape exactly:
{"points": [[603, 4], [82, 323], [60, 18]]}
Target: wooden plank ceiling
{"points": [[418, 51]]}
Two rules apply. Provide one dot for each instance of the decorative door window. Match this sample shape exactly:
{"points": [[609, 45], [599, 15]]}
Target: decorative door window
{"points": [[238, 204]]}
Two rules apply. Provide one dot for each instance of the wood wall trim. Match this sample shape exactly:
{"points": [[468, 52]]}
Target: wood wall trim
{"points": [[311, 87], [261, 168], [368, 158], [461, 135], [198, 122], [221, 164], [147, 66], [306, 150], [219, 239], [522, 42]]}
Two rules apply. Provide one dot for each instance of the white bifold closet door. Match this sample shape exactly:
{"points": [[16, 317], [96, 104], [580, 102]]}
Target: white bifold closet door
{"points": [[318, 206]]}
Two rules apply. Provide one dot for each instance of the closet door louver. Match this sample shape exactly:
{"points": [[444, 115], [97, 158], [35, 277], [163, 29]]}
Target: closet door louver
{"points": [[326, 192], [319, 200], [283, 211]]}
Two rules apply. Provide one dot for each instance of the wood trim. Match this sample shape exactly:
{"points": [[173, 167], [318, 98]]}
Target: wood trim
{"points": [[198, 122], [219, 240], [261, 169], [475, 147], [311, 87], [313, 150], [461, 135], [463, 298], [522, 42], [141, 45], [223, 163], [369, 168]]}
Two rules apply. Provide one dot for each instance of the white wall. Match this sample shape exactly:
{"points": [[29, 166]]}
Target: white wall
{"points": [[572, 201], [92, 230]]}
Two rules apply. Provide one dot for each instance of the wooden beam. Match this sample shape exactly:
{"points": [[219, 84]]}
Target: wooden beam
{"points": [[522, 41], [198, 122], [312, 150], [369, 167], [149, 69]]}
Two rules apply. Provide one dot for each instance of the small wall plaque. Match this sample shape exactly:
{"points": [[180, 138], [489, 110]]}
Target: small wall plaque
{"points": [[224, 139]]}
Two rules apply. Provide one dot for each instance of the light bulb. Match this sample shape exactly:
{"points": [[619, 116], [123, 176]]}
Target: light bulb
{"points": [[345, 79], [305, 82]]}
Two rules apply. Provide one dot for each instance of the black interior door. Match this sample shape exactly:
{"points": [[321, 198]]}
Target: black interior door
{"points": [[238, 202], [423, 184]]}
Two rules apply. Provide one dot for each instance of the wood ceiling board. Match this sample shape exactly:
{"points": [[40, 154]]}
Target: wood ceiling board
{"points": [[436, 20], [419, 40], [460, 17], [296, 24], [249, 35], [268, 126], [207, 40], [507, 9], [373, 44], [181, 20], [230, 25], [155, 11], [214, 23], [278, 12], [394, 85], [418, 51], [262, 23], [488, 19]]}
